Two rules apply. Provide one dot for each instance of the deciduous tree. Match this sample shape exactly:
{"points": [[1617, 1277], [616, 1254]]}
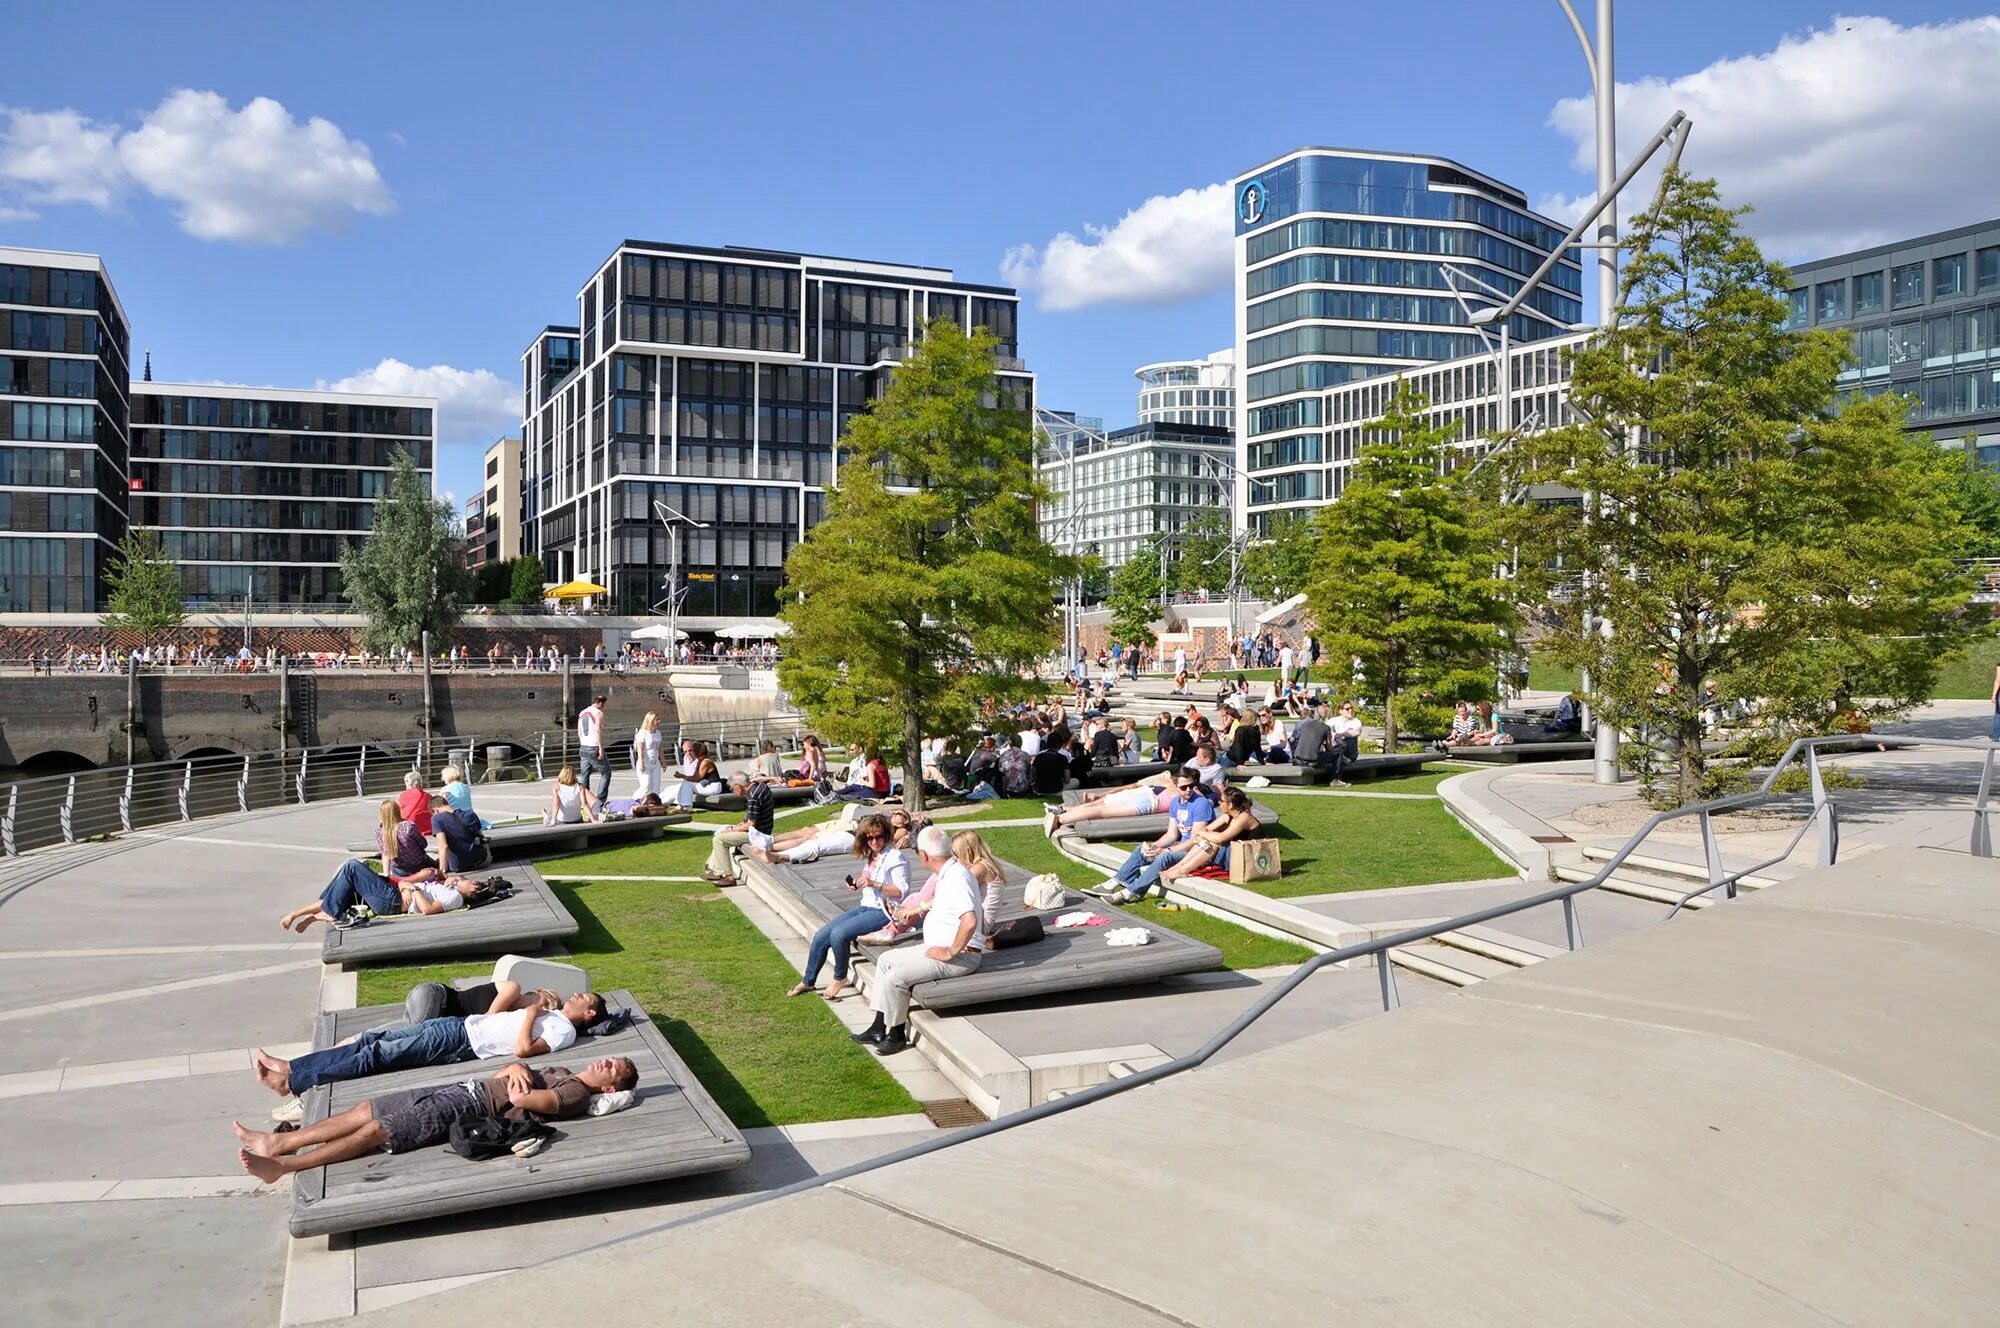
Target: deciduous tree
{"points": [[1134, 601], [145, 587], [928, 587], [409, 576]]}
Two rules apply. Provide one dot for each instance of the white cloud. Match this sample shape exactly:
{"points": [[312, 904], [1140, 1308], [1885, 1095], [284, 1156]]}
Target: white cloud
{"points": [[475, 406], [1851, 135], [249, 176], [1169, 248]]}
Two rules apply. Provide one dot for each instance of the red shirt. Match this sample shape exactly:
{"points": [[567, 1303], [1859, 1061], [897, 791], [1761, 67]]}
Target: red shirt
{"points": [[878, 776], [416, 805]]}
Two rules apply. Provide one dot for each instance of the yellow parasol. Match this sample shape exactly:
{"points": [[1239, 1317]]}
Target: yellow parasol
{"points": [[575, 590]]}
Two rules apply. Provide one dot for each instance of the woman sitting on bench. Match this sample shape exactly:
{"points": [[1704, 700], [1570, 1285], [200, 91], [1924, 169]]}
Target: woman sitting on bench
{"points": [[1210, 844], [405, 855], [1140, 799], [572, 803], [882, 882]]}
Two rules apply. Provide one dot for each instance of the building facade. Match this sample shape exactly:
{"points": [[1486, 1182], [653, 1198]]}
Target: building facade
{"points": [[681, 438], [1112, 492], [255, 491], [65, 429], [1924, 317], [498, 507], [1350, 266], [1189, 391]]}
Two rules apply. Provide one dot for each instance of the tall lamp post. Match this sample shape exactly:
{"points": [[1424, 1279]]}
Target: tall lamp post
{"points": [[673, 518]]}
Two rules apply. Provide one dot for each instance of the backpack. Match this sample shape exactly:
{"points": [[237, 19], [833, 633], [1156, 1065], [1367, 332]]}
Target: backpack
{"points": [[491, 889], [481, 1137]]}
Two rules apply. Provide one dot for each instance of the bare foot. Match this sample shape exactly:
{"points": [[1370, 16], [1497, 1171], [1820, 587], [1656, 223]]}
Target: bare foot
{"points": [[835, 991], [266, 1169], [273, 1074], [255, 1141], [800, 990], [303, 923]]}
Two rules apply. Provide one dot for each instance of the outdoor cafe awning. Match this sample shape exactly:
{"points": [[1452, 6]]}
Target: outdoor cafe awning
{"points": [[575, 590]]}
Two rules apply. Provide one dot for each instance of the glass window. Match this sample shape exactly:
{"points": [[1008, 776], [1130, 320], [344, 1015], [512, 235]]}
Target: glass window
{"points": [[1868, 293], [1989, 268], [1800, 302], [13, 284], [12, 378], [1906, 285], [1832, 300], [73, 290], [1948, 276]]}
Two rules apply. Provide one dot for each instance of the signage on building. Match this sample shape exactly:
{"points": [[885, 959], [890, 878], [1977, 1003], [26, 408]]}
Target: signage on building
{"points": [[701, 576], [1250, 203]]}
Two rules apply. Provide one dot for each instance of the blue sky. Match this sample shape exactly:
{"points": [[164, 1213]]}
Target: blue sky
{"points": [[477, 162]]}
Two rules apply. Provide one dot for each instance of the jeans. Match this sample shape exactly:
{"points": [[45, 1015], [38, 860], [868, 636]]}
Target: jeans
{"points": [[592, 767], [1995, 735], [839, 936], [355, 884], [1138, 875], [438, 1041], [901, 970]]}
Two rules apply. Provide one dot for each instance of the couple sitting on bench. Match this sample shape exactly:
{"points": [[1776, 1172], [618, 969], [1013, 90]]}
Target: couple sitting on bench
{"points": [[513, 1023], [1198, 835]]}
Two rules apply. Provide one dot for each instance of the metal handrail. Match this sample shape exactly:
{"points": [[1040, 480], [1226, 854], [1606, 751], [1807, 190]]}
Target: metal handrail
{"points": [[1379, 951]]}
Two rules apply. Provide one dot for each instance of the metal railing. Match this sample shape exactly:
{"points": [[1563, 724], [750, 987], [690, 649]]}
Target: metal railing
{"points": [[1378, 951], [316, 660]]}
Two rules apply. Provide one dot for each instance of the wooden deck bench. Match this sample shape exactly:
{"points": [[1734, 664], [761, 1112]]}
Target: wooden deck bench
{"points": [[1069, 959], [1374, 765], [534, 837], [1125, 829], [1110, 776], [782, 795], [531, 918], [674, 1129], [1510, 753]]}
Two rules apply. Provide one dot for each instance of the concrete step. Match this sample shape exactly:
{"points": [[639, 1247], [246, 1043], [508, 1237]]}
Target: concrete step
{"points": [[1658, 889], [1668, 867], [1448, 963], [1500, 946]]}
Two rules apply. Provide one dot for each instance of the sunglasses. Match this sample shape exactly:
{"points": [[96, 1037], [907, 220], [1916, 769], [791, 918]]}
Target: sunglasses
{"points": [[876, 834]]}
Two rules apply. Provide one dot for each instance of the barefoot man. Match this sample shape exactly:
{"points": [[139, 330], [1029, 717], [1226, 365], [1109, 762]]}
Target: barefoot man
{"points": [[422, 1117]]}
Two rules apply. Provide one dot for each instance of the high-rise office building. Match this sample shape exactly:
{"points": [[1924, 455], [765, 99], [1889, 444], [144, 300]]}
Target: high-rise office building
{"points": [[1924, 315], [1342, 262], [256, 490], [1111, 492], [1189, 391], [682, 436], [65, 358], [493, 516]]}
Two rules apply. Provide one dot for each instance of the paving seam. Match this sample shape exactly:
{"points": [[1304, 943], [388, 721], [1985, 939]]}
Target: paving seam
{"points": [[1017, 1257], [158, 989]]}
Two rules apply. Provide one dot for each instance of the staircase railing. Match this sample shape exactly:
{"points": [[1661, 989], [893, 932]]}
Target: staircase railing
{"points": [[1378, 950]]}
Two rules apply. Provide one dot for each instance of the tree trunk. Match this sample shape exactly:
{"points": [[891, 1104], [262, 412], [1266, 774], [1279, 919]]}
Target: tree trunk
{"points": [[1691, 760], [1390, 679], [913, 760]]}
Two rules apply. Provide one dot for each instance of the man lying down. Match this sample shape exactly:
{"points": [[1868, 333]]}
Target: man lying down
{"points": [[422, 1117]]}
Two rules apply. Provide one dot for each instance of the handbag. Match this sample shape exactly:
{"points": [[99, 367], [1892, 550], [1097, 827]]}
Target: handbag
{"points": [[1046, 891], [1255, 860], [1016, 931]]}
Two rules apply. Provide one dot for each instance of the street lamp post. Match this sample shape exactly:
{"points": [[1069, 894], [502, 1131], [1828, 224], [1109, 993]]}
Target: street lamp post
{"points": [[671, 518]]}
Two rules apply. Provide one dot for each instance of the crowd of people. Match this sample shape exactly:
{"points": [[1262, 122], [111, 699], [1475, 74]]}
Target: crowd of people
{"points": [[173, 656]]}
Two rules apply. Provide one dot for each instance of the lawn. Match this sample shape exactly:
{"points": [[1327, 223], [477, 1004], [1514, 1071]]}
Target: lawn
{"points": [[716, 986], [1423, 782], [1963, 677], [1025, 846], [1337, 844]]}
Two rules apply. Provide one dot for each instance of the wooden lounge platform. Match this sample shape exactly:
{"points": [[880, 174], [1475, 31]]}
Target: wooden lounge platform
{"points": [[531, 918], [1110, 776], [1374, 765], [674, 1129], [1070, 959], [535, 838], [1513, 753], [782, 795], [1123, 829]]}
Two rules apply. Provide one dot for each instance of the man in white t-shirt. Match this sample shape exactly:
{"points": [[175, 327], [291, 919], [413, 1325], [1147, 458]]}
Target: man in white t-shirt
{"points": [[516, 1024], [592, 763], [954, 942]]}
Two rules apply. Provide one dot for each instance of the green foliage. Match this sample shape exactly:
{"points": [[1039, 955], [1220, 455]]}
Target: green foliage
{"points": [[409, 575], [911, 604], [1974, 493], [145, 587], [1405, 573], [1096, 577], [1200, 561], [1746, 532], [1280, 566], [524, 580], [1134, 600]]}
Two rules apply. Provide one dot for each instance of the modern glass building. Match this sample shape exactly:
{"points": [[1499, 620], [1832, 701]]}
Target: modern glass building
{"points": [[1189, 391], [1924, 315], [1125, 486], [684, 438], [1341, 276], [65, 360], [493, 516], [256, 490]]}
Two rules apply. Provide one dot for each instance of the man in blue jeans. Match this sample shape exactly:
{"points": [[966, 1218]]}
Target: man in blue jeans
{"points": [[592, 763], [1187, 811], [515, 1025]]}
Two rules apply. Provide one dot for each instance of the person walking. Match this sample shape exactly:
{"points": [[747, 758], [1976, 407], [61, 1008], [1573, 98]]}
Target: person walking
{"points": [[646, 754], [591, 759]]}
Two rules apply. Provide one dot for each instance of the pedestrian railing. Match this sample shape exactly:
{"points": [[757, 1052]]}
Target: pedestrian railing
{"points": [[1377, 952]]}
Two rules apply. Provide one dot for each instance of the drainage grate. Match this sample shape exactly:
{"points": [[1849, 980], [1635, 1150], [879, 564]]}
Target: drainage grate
{"points": [[1552, 839], [953, 1112]]}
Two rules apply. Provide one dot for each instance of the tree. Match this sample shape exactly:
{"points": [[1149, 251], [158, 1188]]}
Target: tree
{"points": [[1406, 575], [928, 587], [145, 587], [409, 576], [1096, 576], [1279, 566], [1134, 600], [1739, 528], [1204, 556], [1974, 493], [524, 580]]}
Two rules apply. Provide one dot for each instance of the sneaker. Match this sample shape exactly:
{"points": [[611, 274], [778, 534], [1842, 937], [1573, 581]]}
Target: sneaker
{"points": [[1122, 897], [1049, 825], [1105, 890], [1338, 783], [289, 1112]]}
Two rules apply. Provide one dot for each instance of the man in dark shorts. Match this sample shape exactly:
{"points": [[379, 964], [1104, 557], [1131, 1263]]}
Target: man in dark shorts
{"points": [[422, 1117]]}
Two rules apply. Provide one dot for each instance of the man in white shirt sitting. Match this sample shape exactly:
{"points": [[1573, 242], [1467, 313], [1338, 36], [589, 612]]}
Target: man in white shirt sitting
{"points": [[515, 1024], [954, 941]]}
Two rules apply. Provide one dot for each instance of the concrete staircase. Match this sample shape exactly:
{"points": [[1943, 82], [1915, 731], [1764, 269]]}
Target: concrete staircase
{"points": [[1658, 880]]}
